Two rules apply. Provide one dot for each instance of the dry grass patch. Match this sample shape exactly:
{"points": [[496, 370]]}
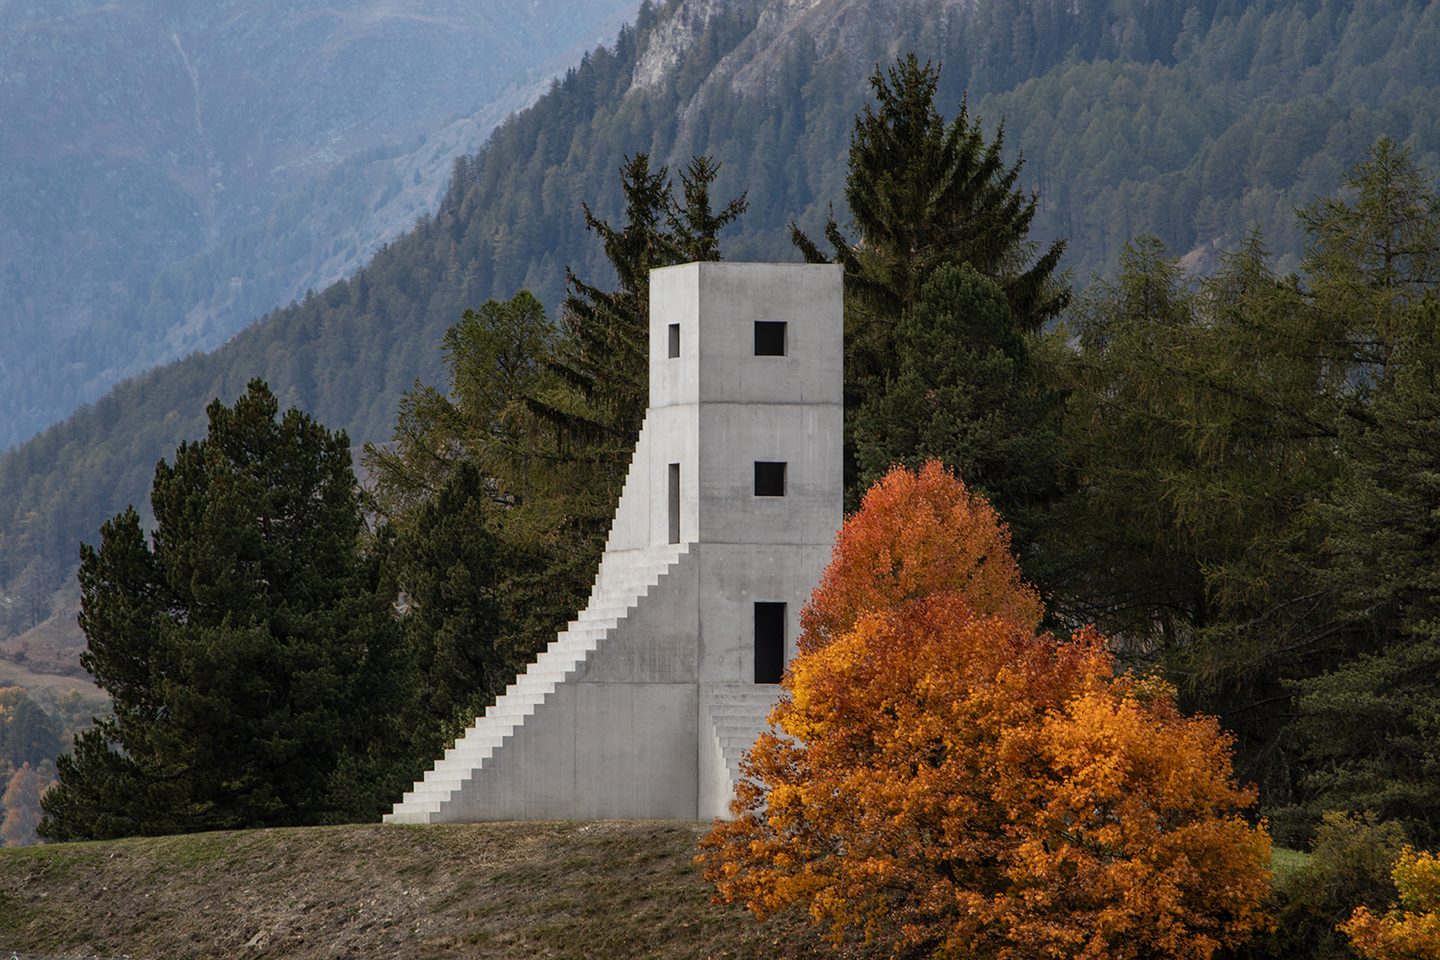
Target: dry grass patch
{"points": [[607, 889]]}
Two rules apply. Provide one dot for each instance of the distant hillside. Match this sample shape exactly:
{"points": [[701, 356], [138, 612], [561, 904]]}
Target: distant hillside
{"points": [[169, 171], [1194, 120], [561, 890]]}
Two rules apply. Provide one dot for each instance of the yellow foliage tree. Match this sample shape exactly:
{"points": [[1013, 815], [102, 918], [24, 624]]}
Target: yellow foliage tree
{"points": [[950, 781], [1411, 931]]}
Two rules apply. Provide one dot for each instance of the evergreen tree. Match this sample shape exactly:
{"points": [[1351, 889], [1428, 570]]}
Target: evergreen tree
{"points": [[924, 193], [248, 649], [1370, 725], [449, 570], [603, 354], [499, 491], [27, 733], [965, 392]]}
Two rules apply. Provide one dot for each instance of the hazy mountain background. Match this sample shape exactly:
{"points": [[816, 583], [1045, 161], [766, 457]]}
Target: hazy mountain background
{"points": [[1198, 121], [171, 170]]}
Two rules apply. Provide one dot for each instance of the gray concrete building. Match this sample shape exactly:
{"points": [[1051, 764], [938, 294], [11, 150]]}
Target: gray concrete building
{"points": [[644, 704]]}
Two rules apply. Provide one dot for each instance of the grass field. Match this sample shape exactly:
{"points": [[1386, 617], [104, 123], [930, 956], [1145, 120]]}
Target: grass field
{"points": [[516, 890]]}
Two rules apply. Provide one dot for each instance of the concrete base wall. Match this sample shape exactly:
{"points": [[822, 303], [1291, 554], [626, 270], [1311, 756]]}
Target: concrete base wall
{"points": [[597, 751]]}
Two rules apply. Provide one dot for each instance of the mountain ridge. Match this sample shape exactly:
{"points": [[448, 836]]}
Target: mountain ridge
{"points": [[1128, 114], [159, 163]]}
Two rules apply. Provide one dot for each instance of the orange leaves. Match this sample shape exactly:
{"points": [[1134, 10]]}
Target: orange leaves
{"points": [[916, 534], [1411, 931], [953, 782]]}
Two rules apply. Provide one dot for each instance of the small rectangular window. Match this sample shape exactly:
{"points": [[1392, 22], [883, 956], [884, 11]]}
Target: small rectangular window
{"points": [[769, 478], [674, 340], [769, 338], [673, 499], [769, 642]]}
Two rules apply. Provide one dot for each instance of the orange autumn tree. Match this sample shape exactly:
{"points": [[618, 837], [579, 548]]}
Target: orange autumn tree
{"points": [[951, 781], [1411, 931]]}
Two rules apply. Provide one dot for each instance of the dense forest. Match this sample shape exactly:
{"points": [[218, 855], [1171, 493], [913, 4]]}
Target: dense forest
{"points": [[1195, 122]]}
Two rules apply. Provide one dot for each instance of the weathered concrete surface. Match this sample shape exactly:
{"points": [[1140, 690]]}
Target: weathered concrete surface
{"points": [[645, 704]]}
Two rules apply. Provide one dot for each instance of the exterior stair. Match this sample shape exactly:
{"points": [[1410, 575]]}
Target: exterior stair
{"points": [[736, 714], [625, 580]]}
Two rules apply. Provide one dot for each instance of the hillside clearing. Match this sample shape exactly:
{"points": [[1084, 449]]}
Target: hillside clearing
{"points": [[609, 889]]}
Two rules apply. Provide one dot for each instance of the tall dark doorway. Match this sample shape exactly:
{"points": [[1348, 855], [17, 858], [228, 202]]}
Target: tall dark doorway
{"points": [[769, 642]]}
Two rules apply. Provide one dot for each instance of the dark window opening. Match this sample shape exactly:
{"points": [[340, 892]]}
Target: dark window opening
{"points": [[769, 478], [769, 642], [769, 338], [674, 500], [674, 340]]}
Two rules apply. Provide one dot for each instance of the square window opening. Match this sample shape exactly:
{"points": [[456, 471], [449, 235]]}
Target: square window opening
{"points": [[769, 642], [769, 478], [674, 340], [770, 338]]}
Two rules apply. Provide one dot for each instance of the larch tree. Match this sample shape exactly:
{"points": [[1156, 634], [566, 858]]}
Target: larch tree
{"points": [[21, 806], [949, 781], [1254, 485], [499, 488]]}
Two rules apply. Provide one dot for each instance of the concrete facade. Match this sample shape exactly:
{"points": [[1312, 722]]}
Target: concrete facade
{"points": [[643, 706]]}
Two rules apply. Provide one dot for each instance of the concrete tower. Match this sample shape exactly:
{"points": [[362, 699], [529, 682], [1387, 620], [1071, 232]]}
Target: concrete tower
{"points": [[644, 704]]}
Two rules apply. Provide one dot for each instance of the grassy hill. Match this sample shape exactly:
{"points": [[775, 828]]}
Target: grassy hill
{"points": [[607, 889]]}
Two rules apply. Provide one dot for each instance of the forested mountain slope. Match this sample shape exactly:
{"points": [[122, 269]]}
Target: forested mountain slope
{"points": [[169, 171], [1196, 121]]}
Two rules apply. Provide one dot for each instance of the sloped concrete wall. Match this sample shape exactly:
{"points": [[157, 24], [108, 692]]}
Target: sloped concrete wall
{"points": [[653, 722]]}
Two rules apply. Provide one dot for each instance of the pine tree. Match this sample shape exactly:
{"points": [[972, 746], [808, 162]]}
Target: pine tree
{"points": [[248, 649]]}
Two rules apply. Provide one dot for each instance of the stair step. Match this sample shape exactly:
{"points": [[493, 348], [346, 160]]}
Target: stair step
{"points": [[617, 592]]}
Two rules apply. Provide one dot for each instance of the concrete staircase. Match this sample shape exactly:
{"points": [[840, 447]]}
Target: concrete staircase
{"points": [[624, 581], [735, 714]]}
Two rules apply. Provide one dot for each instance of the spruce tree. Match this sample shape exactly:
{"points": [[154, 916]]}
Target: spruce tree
{"points": [[248, 648], [1369, 725], [588, 411], [499, 490], [603, 353], [966, 392], [924, 193]]}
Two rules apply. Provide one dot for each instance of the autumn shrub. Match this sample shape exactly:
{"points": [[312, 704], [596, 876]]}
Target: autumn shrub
{"points": [[950, 781], [1348, 865], [1410, 930]]}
